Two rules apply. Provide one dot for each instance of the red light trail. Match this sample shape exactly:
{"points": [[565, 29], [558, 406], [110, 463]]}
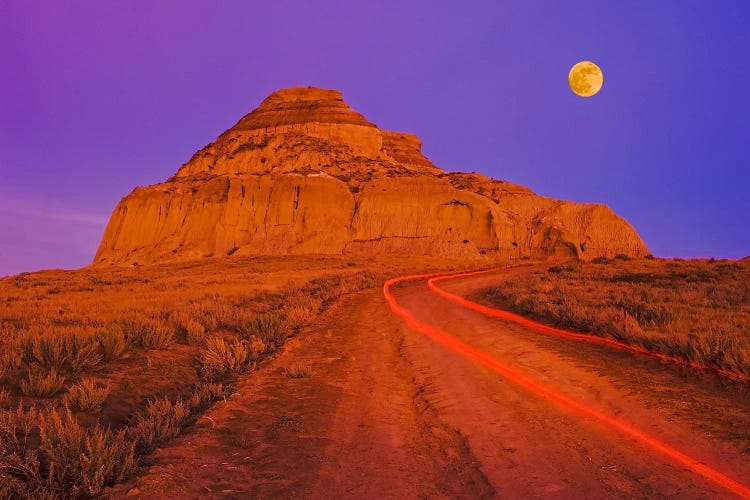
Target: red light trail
{"points": [[583, 337], [540, 389]]}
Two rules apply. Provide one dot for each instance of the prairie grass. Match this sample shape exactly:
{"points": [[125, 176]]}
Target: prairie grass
{"points": [[221, 357], [186, 327], [161, 421], [149, 335], [83, 461], [42, 384], [270, 328], [146, 333], [297, 370], [19, 463], [66, 352], [86, 395], [697, 310], [112, 343], [256, 347], [204, 394]]}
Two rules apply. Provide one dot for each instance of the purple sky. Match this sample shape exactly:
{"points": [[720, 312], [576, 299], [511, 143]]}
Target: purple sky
{"points": [[98, 97]]}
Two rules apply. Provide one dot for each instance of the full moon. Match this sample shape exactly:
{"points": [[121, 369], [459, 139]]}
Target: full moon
{"points": [[585, 79]]}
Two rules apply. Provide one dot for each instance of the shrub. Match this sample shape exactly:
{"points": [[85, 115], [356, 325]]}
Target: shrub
{"points": [[297, 370], [300, 311], [220, 357], [205, 394], [40, 384], [86, 395], [600, 260], [83, 462], [112, 343], [195, 333], [19, 466], [161, 421], [256, 347], [4, 397], [157, 337], [214, 314], [70, 352], [267, 327], [10, 359], [649, 257], [622, 256], [560, 269], [146, 333], [189, 329]]}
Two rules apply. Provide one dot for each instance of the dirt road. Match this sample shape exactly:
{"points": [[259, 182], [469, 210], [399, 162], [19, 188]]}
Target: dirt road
{"points": [[388, 412]]}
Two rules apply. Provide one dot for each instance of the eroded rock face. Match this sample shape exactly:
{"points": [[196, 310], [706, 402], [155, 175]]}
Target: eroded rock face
{"points": [[304, 173]]}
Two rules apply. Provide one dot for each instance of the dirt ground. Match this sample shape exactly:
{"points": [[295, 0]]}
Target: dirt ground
{"points": [[360, 405]]}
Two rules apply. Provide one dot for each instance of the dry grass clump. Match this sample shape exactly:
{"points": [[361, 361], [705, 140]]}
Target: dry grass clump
{"points": [[83, 461], [204, 394], [71, 461], [256, 347], [19, 464], [695, 310], [297, 370], [42, 384], [214, 313], [220, 357], [11, 357], [112, 343], [193, 332], [146, 333], [66, 352], [161, 421], [270, 328], [86, 395], [300, 310]]}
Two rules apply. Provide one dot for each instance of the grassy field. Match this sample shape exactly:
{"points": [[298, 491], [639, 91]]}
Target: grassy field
{"points": [[99, 367], [695, 310]]}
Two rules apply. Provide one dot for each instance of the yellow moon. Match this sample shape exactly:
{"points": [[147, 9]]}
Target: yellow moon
{"points": [[585, 79]]}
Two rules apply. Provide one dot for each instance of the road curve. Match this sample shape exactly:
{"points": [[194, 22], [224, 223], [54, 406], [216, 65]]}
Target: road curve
{"points": [[443, 401], [558, 381], [582, 337]]}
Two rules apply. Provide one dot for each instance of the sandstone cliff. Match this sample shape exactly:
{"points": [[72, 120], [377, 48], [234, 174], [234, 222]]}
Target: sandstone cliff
{"points": [[304, 173]]}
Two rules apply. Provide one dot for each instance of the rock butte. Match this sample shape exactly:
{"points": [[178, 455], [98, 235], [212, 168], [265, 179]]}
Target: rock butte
{"points": [[305, 173]]}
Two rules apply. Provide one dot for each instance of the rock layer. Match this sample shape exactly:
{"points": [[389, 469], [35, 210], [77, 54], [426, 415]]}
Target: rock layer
{"points": [[304, 173]]}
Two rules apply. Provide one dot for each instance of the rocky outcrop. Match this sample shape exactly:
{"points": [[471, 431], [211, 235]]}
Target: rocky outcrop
{"points": [[304, 173]]}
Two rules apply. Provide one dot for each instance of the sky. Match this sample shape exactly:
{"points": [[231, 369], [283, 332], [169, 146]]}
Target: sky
{"points": [[99, 97]]}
